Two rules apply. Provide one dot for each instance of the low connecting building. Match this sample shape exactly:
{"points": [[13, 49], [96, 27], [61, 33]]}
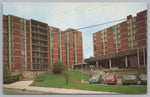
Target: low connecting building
{"points": [[34, 45], [123, 45]]}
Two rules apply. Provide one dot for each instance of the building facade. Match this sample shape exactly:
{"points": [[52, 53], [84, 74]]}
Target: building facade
{"points": [[34, 45], [73, 44], [123, 45]]}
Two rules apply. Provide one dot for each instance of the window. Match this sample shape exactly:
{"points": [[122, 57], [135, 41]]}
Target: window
{"points": [[102, 45], [134, 28], [58, 31], [74, 37], [118, 28], [94, 47], [66, 36], [114, 34], [118, 38], [133, 23], [118, 33], [129, 35], [51, 34], [134, 37], [58, 38], [22, 28], [12, 53], [106, 52], [12, 59], [73, 44], [114, 28]]}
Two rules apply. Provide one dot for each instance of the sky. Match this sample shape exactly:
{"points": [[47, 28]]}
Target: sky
{"points": [[75, 15]]}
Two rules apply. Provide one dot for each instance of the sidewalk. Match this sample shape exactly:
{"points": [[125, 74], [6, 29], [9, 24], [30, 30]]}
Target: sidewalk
{"points": [[24, 85]]}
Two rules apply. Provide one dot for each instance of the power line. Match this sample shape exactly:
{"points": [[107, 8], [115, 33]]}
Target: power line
{"points": [[79, 12], [100, 24], [57, 18], [105, 23], [66, 10]]}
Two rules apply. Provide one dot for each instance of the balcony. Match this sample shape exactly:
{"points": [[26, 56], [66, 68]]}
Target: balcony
{"points": [[39, 32], [39, 57], [39, 51], [39, 45], [39, 39]]}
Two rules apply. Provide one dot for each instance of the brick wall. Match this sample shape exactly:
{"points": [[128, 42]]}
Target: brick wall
{"points": [[123, 36]]}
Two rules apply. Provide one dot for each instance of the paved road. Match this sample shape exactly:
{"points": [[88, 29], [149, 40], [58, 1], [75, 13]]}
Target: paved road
{"points": [[24, 86]]}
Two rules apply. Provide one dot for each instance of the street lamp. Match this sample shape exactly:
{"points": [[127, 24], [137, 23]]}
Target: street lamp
{"points": [[82, 73]]}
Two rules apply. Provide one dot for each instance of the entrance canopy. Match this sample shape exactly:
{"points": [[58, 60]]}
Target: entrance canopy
{"points": [[119, 54]]}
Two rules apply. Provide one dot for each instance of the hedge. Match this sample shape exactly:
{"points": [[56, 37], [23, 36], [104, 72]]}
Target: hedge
{"points": [[11, 79]]}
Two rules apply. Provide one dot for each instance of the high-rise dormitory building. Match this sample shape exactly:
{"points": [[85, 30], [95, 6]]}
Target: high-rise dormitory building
{"points": [[34, 45], [123, 45]]}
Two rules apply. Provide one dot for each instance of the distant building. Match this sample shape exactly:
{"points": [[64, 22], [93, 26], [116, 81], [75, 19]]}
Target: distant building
{"points": [[65, 46], [123, 45], [34, 45]]}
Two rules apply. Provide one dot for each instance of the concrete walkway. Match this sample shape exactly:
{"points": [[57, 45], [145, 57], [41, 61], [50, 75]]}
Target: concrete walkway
{"points": [[24, 85]]}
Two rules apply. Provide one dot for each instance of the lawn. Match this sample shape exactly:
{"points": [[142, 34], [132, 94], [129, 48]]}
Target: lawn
{"points": [[57, 80]]}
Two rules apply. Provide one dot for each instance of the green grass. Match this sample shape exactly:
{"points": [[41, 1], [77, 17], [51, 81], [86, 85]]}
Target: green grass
{"points": [[58, 81]]}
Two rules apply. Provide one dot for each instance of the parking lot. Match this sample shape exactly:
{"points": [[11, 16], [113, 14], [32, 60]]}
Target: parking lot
{"points": [[119, 82]]}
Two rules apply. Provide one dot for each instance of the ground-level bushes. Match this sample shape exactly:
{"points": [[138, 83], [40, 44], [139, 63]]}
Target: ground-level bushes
{"points": [[11, 79]]}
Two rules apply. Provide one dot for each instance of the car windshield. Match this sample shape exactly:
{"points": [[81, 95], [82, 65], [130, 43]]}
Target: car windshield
{"points": [[141, 75], [95, 76], [129, 76], [110, 76], [144, 76]]}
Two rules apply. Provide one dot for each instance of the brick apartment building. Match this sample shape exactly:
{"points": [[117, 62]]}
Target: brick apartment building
{"points": [[123, 45], [34, 45]]}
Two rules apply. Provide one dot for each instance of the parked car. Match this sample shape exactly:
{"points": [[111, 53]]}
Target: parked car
{"points": [[95, 79], [143, 78], [129, 79], [110, 79]]}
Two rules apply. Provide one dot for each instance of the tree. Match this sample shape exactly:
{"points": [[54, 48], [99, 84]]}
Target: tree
{"points": [[58, 67], [66, 76]]}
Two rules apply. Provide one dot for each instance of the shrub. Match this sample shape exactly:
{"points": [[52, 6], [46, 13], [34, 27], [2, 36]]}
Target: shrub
{"points": [[6, 72], [11, 79], [58, 68], [7, 78]]}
